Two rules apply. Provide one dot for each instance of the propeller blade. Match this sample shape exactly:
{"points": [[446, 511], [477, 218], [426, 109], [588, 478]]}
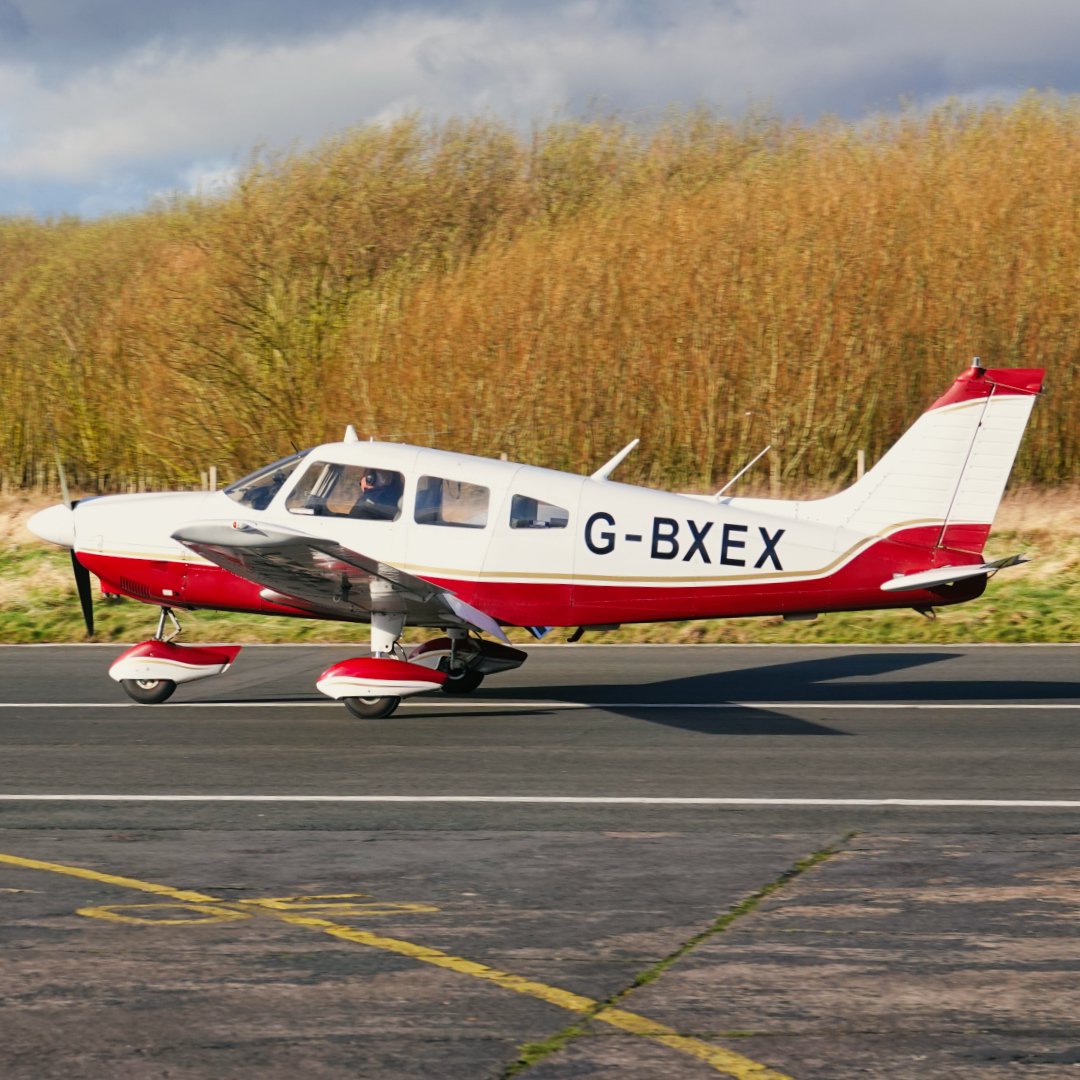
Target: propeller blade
{"points": [[86, 599], [64, 493], [83, 585], [61, 474]]}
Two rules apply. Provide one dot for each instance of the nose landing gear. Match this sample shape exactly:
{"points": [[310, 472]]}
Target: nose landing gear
{"points": [[150, 671]]}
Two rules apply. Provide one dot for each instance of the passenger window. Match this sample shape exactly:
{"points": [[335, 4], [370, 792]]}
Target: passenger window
{"points": [[355, 491], [527, 513], [451, 502]]}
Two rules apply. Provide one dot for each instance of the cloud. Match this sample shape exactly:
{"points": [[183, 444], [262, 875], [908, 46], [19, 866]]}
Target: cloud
{"points": [[122, 97], [209, 178]]}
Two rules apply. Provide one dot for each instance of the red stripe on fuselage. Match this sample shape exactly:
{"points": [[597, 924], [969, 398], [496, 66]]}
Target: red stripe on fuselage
{"points": [[856, 585], [182, 585]]}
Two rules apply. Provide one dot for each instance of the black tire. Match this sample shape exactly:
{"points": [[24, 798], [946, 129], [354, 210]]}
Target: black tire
{"points": [[148, 691], [462, 682], [371, 708]]}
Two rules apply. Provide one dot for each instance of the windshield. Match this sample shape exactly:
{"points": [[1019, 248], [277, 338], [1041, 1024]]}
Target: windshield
{"points": [[257, 489]]}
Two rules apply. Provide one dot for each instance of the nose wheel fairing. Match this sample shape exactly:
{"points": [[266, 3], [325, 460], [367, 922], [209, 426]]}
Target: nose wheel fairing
{"points": [[150, 671], [157, 659]]}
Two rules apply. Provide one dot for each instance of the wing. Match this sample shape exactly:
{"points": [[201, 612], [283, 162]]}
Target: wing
{"points": [[326, 578]]}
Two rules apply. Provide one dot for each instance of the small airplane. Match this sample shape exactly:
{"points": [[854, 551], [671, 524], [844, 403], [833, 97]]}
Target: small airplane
{"points": [[396, 535]]}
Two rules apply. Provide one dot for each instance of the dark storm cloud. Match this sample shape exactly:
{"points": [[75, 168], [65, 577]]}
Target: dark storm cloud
{"points": [[120, 98], [90, 32], [78, 33]]}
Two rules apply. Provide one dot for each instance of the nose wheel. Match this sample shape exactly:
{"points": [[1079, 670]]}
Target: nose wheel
{"points": [[148, 691], [150, 671], [371, 708]]}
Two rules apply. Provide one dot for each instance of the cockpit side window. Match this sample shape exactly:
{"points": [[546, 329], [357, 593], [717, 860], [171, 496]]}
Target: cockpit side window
{"points": [[329, 489], [457, 503], [258, 489], [529, 513]]}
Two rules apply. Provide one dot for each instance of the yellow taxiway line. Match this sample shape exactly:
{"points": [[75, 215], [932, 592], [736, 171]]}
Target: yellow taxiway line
{"points": [[722, 1060]]}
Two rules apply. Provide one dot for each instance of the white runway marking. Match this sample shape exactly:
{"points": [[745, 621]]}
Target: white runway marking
{"points": [[996, 706], [552, 800]]}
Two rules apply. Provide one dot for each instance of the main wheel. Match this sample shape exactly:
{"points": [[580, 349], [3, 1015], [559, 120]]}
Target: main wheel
{"points": [[148, 691], [371, 708], [462, 682]]}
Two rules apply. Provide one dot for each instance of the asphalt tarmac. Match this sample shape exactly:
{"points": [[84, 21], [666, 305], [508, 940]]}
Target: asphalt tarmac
{"points": [[647, 861]]}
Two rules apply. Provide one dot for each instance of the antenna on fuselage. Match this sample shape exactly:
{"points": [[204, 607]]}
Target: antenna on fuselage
{"points": [[607, 469], [744, 469], [350, 434]]}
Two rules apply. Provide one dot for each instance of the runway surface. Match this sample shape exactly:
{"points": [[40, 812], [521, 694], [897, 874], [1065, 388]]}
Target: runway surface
{"points": [[617, 861]]}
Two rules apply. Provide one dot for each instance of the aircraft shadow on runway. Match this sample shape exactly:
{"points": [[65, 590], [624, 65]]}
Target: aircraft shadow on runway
{"points": [[869, 678], [821, 679]]}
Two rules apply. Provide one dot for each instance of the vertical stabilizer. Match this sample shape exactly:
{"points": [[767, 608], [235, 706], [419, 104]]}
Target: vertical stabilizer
{"points": [[946, 474]]}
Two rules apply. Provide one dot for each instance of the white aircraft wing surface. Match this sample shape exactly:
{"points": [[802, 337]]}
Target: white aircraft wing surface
{"points": [[326, 578]]}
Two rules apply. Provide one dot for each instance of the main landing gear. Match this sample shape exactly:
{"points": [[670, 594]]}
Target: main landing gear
{"points": [[372, 687], [150, 671]]}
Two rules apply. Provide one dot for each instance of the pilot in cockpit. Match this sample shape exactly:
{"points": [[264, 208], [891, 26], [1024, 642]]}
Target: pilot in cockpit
{"points": [[379, 497]]}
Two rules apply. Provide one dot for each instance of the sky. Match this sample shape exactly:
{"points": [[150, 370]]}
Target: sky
{"points": [[106, 105]]}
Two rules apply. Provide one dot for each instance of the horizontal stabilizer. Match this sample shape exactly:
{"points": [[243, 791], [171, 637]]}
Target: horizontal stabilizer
{"points": [[946, 575]]}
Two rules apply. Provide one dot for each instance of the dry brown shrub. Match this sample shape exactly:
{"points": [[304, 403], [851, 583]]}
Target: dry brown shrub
{"points": [[708, 286]]}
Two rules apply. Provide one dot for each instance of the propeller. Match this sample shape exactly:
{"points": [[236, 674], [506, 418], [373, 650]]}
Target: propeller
{"points": [[82, 585], [82, 576]]}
